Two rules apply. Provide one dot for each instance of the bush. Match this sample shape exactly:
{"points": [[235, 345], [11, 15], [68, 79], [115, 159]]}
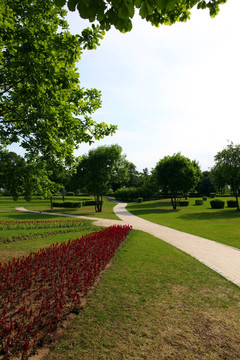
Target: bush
{"points": [[140, 200], [204, 198], [217, 204], [198, 202], [127, 194], [70, 193], [68, 204], [89, 203], [183, 203], [232, 203], [212, 195]]}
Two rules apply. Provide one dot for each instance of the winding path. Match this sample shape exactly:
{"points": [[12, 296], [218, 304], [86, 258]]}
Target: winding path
{"points": [[221, 258]]}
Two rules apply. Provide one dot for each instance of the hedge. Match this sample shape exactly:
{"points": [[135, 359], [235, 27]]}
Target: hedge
{"points": [[232, 203], [183, 203], [217, 204], [68, 204]]}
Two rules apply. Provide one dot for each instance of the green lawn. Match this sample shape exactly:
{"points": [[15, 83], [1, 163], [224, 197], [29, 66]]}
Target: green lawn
{"points": [[7, 207], [155, 302], [220, 225]]}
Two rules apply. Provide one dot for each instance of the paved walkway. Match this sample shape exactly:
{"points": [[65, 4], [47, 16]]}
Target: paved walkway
{"points": [[221, 258]]}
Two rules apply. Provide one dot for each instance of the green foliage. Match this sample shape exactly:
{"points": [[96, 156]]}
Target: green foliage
{"points": [[183, 203], [198, 202], [204, 198], [217, 204], [119, 13], [70, 193], [212, 195], [42, 106], [177, 175], [140, 200], [232, 203], [127, 194], [68, 204], [95, 171], [228, 168], [206, 186]]}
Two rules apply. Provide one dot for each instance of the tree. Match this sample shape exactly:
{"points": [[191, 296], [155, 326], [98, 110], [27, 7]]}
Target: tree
{"points": [[120, 12], [206, 186], [120, 175], [21, 177], [12, 170], [95, 171], [218, 179], [177, 175], [42, 106], [227, 164]]}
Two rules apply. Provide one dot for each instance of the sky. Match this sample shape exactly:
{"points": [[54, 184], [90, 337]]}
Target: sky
{"points": [[168, 89]]}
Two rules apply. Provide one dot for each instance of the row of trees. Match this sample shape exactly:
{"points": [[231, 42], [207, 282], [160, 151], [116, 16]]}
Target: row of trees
{"points": [[105, 169]]}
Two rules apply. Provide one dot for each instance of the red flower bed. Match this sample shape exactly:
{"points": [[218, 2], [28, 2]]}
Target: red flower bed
{"points": [[38, 291]]}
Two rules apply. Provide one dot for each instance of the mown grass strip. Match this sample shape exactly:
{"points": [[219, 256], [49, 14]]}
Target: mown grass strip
{"points": [[155, 302], [220, 225]]}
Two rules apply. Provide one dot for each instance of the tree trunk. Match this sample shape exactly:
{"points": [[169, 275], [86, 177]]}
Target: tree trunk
{"points": [[98, 203], [174, 203], [236, 196], [51, 200], [63, 195]]}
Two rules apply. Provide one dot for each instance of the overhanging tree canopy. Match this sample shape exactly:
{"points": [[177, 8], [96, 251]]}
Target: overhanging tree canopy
{"points": [[120, 12], [42, 105]]}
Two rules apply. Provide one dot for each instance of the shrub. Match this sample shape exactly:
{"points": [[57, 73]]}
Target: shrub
{"points": [[140, 200], [90, 203], [127, 194], [183, 203], [70, 193], [68, 204], [204, 198], [212, 195], [232, 203], [217, 204], [198, 202]]}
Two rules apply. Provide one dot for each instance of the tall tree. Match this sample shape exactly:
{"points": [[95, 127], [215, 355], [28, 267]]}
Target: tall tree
{"points": [[120, 12], [227, 164], [95, 171], [42, 106], [177, 175]]}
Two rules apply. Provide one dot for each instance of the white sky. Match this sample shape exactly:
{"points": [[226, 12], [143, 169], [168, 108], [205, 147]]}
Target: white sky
{"points": [[168, 89]]}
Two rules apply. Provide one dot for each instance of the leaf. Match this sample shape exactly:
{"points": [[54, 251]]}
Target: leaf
{"points": [[72, 4], [138, 3], [60, 3], [166, 4]]}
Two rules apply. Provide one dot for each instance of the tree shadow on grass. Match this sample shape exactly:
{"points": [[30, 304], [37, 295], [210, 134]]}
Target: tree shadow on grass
{"points": [[155, 205], [140, 212], [211, 215]]}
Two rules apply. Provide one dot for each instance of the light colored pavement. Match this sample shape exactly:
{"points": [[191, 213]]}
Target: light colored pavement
{"points": [[221, 258]]}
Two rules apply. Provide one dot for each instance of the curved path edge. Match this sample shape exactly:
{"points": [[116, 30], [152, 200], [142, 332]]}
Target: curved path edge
{"points": [[223, 259]]}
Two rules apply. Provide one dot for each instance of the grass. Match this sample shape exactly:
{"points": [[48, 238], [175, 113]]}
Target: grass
{"points": [[155, 302], [7, 207], [220, 225]]}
